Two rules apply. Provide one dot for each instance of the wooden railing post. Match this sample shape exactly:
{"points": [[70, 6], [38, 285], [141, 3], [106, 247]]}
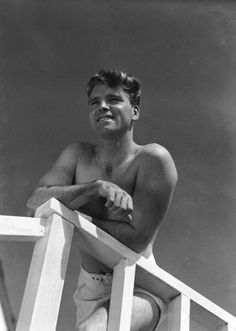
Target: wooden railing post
{"points": [[7, 319], [52, 229], [121, 296], [42, 296], [3, 324], [231, 327], [179, 314]]}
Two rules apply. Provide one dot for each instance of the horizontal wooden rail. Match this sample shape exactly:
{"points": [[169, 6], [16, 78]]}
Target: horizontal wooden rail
{"points": [[183, 301], [21, 228], [148, 275]]}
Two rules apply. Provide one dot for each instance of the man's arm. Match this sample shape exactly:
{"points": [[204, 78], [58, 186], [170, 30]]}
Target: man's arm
{"points": [[154, 187], [58, 183]]}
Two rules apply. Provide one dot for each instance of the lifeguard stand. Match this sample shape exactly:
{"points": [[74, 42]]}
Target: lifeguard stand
{"points": [[52, 228]]}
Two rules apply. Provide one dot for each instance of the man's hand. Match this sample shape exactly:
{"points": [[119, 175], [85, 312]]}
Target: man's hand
{"points": [[118, 201]]}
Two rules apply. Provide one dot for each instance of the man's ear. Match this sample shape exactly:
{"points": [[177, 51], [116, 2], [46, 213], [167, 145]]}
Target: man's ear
{"points": [[136, 113]]}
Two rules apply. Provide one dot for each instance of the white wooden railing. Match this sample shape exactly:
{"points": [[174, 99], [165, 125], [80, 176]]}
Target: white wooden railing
{"points": [[7, 319], [52, 228]]}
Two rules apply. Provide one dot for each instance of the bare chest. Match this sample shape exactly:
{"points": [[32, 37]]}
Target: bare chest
{"points": [[124, 176]]}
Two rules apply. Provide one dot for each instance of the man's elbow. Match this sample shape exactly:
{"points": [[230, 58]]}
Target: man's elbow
{"points": [[33, 202], [30, 208], [29, 212]]}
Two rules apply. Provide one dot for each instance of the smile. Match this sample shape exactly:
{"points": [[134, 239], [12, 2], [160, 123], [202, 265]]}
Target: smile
{"points": [[105, 118]]}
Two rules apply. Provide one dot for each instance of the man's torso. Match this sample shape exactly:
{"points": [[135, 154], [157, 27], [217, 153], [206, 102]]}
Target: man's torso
{"points": [[88, 170], [124, 175]]}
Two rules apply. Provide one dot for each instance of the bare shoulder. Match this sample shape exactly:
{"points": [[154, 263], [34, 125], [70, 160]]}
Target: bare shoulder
{"points": [[154, 153], [154, 150], [72, 155], [79, 149], [63, 170], [155, 160]]}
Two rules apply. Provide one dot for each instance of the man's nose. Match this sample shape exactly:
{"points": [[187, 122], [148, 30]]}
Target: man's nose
{"points": [[104, 105]]}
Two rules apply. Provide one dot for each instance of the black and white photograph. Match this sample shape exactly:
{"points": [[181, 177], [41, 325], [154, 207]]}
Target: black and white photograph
{"points": [[117, 165]]}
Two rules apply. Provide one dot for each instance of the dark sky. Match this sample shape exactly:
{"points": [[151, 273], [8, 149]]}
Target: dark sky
{"points": [[184, 53]]}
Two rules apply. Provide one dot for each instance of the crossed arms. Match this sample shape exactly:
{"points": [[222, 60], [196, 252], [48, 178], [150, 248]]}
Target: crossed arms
{"points": [[133, 220]]}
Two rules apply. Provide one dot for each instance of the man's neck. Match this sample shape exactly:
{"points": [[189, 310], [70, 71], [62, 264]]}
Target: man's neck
{"points": [[113, 152]]}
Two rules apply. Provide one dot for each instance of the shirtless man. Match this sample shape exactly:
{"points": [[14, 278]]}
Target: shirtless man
{"points": [[126, 188]]}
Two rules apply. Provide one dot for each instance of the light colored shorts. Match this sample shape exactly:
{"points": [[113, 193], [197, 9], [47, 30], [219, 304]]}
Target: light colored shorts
{"points": [[95, 289]]}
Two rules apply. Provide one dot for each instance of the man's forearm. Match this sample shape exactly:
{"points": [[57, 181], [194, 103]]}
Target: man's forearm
{"points": [[73, 196], [122, 231]]}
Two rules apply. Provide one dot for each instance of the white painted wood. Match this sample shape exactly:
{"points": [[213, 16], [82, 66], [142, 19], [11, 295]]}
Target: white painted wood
{"points": [[151, 273], [6, 314], [121, 297], [41, 301], [110, 251], [3, 324], [98, 244], [21, 228], [179, 314], [53, 206]]}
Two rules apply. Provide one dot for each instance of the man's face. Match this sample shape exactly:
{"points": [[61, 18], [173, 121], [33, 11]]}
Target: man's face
{"points": [[110, 110]]}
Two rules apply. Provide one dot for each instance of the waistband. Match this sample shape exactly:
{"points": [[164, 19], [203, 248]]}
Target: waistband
{"points": [[107, 276]]}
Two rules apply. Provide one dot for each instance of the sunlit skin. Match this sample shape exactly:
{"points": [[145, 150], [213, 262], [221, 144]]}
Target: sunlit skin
{"points": [[124, 188]]}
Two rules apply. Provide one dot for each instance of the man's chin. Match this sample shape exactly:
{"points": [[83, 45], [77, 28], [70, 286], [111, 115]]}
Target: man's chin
{"points": [[107, 133]]}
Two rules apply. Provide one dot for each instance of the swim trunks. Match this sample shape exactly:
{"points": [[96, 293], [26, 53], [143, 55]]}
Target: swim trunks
{"points": [[94, 290]]}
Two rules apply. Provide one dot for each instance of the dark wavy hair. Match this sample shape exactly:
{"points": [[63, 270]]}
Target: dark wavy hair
{"points": [[116, 78]]}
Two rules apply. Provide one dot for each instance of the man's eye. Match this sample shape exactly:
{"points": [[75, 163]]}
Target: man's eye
{"points": [[114, 100]]}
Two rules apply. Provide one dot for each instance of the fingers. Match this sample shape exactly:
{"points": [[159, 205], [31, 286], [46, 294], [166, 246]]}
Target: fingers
{"points": [[118, 201], [130, 204], [122, 205], [110, 199]]}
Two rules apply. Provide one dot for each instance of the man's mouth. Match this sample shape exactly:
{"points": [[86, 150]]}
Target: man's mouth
{"points": [[105, 118]]}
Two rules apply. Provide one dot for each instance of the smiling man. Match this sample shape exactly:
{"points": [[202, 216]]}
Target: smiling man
{"points": [[126, 188]]}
